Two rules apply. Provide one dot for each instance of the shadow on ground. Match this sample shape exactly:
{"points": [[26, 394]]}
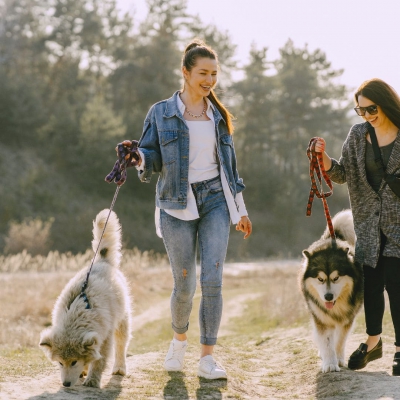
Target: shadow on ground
{"points": [[175, 389], [110, 391]]}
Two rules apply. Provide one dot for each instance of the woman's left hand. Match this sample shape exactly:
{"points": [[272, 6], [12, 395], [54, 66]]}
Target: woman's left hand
{"points": [[244, 225]]}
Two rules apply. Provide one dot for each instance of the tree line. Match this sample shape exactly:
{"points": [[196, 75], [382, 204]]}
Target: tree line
{"points": [[77, 77]]}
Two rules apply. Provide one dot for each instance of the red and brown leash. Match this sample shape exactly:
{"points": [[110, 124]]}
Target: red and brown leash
{"points": [[317, 168]]}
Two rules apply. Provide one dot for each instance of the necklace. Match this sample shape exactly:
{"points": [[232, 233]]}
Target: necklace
{"points": [[197, 116]]}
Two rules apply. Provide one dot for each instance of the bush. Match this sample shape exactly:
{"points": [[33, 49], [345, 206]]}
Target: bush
{"points": [[31, 235]]}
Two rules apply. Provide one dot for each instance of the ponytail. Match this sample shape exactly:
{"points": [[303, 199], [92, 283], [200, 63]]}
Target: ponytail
{"points": [[226, 115], [197, 49]]}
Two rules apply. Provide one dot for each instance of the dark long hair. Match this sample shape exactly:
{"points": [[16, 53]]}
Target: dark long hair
{"points": [[382, 95], [193, 51]]}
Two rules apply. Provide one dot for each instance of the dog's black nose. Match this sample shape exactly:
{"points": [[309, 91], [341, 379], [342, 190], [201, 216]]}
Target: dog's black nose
{"points": [[328, 296], [67, 384]]}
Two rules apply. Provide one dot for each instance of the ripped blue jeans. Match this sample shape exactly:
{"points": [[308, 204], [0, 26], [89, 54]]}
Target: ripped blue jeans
{"points": [[211, 230]]}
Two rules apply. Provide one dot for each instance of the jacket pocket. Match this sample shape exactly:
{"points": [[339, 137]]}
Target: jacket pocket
{"points": [[169, 146], [168, 137]]}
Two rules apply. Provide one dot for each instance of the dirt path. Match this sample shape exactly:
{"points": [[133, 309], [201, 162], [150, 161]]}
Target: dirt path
{"points": [[284, 366], [279, 364]]}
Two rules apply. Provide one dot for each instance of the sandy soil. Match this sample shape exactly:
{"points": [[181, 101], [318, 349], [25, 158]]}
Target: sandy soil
{"points": [[284, 365]]}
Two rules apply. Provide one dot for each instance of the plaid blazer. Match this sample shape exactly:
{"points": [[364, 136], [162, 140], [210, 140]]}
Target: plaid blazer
{"points": [[373, 212]]}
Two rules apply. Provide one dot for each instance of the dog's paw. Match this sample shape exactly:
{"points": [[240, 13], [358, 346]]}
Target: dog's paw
{"points": [[341, 362], [330, 366], [119, 370], [92, 382]]}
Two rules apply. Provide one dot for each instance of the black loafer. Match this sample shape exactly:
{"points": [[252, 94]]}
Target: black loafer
{"points": [[396, 365], [361, 357]]}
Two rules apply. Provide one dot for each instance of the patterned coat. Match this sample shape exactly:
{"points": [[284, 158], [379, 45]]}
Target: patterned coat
{"points": [[372, 211]]}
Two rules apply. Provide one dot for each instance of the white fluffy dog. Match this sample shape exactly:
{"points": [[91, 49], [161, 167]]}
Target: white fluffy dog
{"points": [[84, 330]]}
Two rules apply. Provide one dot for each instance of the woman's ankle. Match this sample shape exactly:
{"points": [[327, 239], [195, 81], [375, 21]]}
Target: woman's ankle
{"points": [[372, 341], [206, 350], [180, 336]]}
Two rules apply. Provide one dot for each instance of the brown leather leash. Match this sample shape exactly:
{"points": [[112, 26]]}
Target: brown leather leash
{"points": [[317, 168]]}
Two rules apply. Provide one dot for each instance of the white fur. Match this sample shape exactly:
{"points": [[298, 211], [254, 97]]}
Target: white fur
{"points": [[343, 221], [81, 339], [331, 339]]}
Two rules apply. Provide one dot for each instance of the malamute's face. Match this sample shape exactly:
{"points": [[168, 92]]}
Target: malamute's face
{"points": [[329, 287], [328, 275]]}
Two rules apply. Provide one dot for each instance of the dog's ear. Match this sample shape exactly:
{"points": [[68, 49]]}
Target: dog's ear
{"points": [[91, 345], [46, 341], [349, 253], [306, 254]]}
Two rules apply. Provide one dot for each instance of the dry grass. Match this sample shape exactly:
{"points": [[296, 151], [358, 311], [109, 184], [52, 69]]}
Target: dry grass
{"points": [[31, 288], [55, 261], [30, 234], [31, 285]]}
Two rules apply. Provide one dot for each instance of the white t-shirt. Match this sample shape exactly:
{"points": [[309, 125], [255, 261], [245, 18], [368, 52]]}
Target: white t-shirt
{"points": [[203, 165]]}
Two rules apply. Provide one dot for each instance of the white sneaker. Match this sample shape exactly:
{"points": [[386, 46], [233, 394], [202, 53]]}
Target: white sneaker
{"points": [[176, 353], [209, 369]]}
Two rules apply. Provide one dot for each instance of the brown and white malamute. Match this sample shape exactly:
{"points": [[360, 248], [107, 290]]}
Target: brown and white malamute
{"points": [[332, 285]]}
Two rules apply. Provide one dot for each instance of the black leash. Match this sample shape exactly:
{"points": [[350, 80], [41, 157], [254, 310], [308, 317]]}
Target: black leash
{"points": [[127, 157], [85, 284]]}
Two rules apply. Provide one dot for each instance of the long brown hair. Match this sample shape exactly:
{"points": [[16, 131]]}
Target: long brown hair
{"points": [[382, 95], [193, 51]]}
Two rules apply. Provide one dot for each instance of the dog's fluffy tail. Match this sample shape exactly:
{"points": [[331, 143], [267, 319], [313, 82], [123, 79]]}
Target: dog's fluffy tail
{"points": [[343, 226], [110, 245]]}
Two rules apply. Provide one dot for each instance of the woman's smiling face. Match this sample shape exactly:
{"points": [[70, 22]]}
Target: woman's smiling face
{"points": [[202, 77], [377, 120]]}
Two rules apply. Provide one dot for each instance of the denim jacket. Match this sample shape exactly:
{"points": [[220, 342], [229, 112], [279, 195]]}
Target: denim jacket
{"points": [[165, 146]]}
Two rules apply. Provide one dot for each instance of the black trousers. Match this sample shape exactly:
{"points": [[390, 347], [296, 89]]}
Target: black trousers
{"points": [[386, 275]]}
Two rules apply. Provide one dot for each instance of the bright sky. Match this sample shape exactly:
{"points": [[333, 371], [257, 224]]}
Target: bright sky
{"points": [[360, 36]]}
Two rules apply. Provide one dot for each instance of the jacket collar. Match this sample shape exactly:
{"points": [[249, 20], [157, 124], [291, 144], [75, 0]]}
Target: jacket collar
{"points": [[176, 107], [362, 143]]}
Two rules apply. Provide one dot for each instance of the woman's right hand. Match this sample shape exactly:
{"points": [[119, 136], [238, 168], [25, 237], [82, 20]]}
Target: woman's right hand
{"points": [[128, 156], [128, 151], [320, 145]]}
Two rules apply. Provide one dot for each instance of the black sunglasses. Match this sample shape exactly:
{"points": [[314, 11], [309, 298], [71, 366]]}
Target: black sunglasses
{"points": [[372, 110]]}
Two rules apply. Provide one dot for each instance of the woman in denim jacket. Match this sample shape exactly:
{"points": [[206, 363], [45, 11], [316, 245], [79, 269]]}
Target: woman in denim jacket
{"points": [[187, 139], [375, 210]]}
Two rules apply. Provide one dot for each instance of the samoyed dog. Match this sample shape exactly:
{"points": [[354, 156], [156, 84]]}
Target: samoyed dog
{"points": [[87, 327]]}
